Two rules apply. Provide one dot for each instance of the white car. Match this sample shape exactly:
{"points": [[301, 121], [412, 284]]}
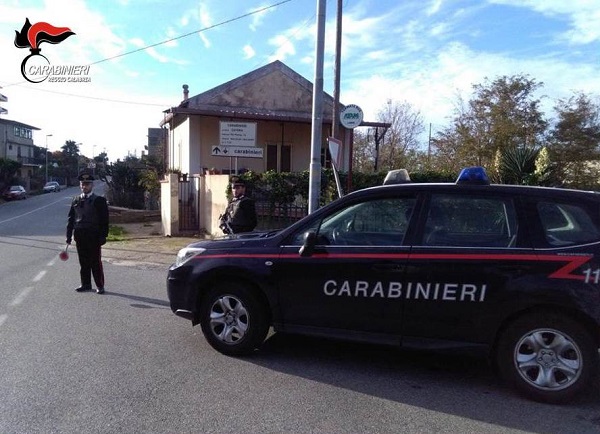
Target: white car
{"points": [[51, 186]]}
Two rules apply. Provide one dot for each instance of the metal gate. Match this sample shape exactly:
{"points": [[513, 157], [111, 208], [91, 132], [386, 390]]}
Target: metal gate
{"points": [[188, 203]]}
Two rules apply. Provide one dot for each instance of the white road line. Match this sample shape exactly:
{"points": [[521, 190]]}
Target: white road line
{"points": [[33, 210], [21, 296], [39, 276], [3, 318]]}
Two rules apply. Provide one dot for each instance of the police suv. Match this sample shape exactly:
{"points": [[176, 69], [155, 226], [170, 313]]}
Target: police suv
{"points": [[515, 269]]}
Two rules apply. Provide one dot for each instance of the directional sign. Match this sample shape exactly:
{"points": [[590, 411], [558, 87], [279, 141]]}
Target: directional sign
{"points": [[237, 151]]}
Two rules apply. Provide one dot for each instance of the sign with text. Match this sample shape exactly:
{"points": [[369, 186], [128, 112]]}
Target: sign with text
{"points": [[237, 151], [237, 134]]}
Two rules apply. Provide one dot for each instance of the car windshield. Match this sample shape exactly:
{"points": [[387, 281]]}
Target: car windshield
{"points": [[15, 188]]}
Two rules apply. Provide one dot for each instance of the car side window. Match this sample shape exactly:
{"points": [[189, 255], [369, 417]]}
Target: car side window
{"points": [[379, 222], [467, 221], [566, 224]]}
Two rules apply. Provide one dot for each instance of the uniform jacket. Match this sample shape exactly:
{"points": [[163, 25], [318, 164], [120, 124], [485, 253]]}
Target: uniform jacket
{"points": [[90, 214], [241, 214]]}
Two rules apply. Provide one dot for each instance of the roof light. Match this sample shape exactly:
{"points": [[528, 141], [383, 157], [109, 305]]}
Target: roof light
{"points": [[473, 175], [399, 176]]}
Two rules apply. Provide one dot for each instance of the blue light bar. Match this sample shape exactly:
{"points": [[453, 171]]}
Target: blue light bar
{"points": [[473, 175]]}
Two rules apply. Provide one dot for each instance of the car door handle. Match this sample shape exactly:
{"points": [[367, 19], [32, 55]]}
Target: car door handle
{"points": [[389, 268]]}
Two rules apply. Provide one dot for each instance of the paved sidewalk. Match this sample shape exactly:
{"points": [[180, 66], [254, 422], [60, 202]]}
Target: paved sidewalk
{"points": [[145, 245]]}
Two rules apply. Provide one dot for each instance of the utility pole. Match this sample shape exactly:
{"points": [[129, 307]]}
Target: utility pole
{"points": [[47, 135], [335, 124], [314, 188]]}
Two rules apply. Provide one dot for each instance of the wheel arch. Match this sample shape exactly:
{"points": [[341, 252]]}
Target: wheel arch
{"points": [[237, 276], [567, 311]]}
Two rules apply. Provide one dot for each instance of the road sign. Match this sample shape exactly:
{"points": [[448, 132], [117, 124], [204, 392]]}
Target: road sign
{"points": [[351, 116], [237, 151], [237, 134], [334, 150]]}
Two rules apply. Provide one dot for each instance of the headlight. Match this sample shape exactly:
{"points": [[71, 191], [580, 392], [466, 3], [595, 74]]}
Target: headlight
{"points": [[186, 254]]}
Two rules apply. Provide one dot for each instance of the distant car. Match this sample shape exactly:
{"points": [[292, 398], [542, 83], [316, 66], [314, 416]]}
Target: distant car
{"points": [[15, 192], [51, 186]]}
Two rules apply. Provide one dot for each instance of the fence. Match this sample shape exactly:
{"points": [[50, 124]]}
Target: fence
{"points": [[188, 204], [277, 216]]}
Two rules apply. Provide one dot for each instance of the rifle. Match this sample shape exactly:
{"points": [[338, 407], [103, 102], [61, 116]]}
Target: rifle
{"points": [[224, 225]]}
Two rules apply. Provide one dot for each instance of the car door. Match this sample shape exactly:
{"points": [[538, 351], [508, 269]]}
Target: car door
{"points": [[471, 249], [356, 268]]}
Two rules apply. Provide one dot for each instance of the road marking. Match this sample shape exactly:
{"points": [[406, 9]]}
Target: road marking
{"points": [[21, 296], [33, 210], [3, 318], [39, 276]]}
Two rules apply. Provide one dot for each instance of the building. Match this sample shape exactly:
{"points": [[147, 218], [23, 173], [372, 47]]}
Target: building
{"points": [[273, 106], [16, 143]]}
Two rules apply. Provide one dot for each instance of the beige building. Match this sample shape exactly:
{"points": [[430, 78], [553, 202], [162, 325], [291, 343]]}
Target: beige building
{"points": [[273, 102], [259, 121]]}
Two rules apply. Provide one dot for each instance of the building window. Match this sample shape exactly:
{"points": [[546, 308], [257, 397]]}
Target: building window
{"points": [[279, 158], [325, 158], [26, 133]]}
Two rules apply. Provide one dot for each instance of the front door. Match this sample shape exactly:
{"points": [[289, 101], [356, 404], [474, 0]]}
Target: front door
{"points": [[356, 270]]}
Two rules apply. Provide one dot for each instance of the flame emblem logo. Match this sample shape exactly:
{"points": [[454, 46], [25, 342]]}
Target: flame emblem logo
{"points": [[31, 36]]}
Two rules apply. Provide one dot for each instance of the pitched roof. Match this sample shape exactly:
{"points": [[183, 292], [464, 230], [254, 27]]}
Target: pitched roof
{"points": [[273, 91]]}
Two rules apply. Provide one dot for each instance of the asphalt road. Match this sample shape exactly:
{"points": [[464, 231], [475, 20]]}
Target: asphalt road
{"points": [[123, 363]]}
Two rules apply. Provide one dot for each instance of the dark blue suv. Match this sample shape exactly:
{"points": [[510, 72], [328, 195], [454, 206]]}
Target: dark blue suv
{"points": [[514, 269]]}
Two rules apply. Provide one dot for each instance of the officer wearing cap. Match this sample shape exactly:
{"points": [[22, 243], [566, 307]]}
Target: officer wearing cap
{"points": [[240, 215], [88, 225]]}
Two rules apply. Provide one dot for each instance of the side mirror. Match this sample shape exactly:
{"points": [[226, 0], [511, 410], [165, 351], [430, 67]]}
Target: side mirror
{"points": [[308, 248]]}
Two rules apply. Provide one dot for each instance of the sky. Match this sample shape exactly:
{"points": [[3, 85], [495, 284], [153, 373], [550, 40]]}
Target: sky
{"points": [[427, 53]]}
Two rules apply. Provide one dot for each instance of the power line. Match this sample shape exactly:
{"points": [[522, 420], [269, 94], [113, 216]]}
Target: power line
{"points": [[194, 32], [151, 46]]}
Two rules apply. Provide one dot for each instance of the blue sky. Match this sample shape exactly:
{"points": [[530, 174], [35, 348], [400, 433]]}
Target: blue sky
{"points": [[425, 52]]}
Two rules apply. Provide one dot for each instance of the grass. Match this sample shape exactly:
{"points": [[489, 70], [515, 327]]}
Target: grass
{"points": [[116, 233]]}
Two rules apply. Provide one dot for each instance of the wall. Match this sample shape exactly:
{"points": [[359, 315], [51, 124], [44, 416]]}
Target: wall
{"points": [[169, 205], [213, 202], [204, 133]]}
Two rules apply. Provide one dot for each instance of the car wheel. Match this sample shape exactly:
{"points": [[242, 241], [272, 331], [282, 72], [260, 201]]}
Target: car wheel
{"points": [[234, 321], [547, 357]]}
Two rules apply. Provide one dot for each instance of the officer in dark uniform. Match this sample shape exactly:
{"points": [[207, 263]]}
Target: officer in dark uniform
{"points": [[88, 224], [240, 215]]}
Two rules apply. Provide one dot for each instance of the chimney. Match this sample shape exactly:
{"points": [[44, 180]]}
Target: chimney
{"points": [[186, 92]]}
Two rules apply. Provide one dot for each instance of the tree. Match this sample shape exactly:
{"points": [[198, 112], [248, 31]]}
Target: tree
{"points": [[399, 144], [401, 140], [574, 141], [70, 157], [362, 152], [502, 115], [8, 170]]}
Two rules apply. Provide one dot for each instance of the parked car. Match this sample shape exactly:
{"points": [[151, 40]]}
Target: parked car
{"points": [[15, 192], [51, 186], [514, 270]]}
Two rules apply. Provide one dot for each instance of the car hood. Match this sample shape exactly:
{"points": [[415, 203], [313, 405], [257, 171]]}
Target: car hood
{"points": [[246, 239]]}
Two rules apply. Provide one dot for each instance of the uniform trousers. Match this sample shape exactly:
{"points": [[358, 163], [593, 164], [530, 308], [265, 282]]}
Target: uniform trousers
{"points": [[89, 252]]}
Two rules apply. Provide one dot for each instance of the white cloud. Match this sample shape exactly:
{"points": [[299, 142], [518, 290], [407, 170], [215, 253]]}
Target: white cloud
{"points": [[258, 18], [284, 48], [249, 52], [584, 16]]}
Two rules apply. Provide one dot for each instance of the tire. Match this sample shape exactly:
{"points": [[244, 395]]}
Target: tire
{"points": [[234, 321], [547, 357]]}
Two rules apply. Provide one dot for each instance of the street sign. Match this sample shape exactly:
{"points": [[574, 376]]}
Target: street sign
{"points": [[334, 150], [237, 134], [237, 151], [351, 116]]}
